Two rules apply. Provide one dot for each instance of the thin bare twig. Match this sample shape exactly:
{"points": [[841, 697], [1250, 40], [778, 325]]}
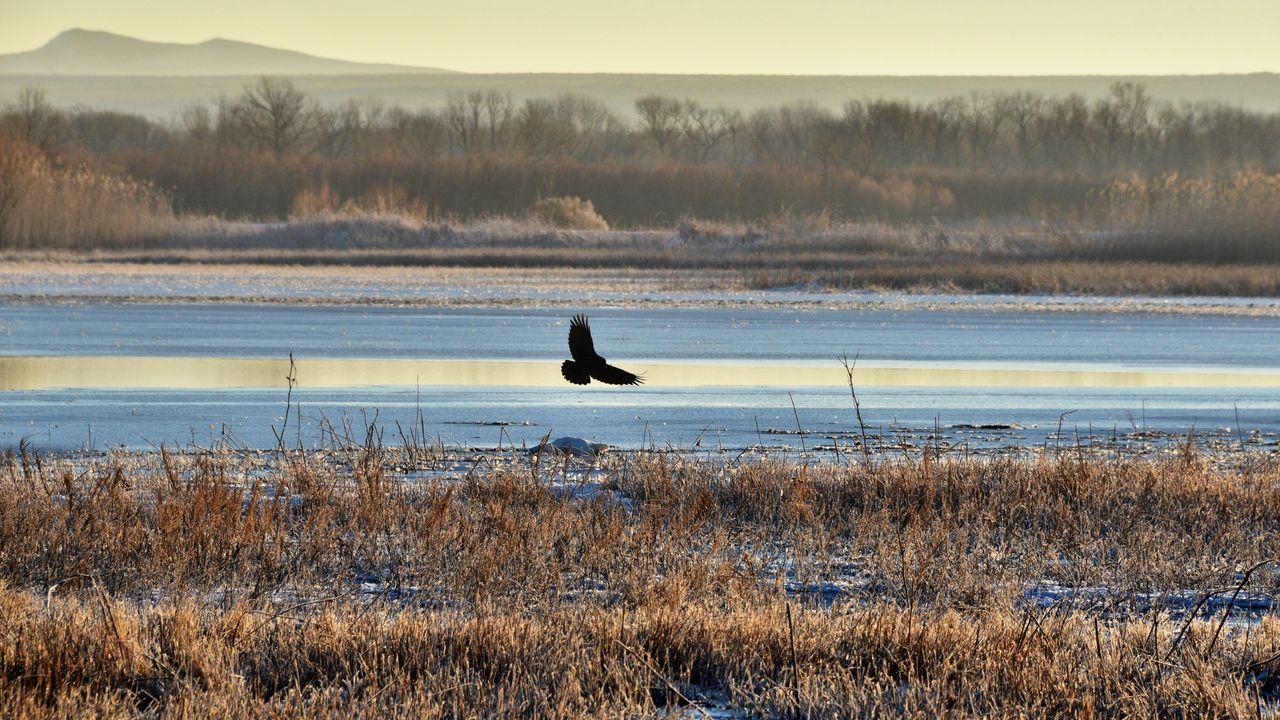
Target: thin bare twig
{"points": [[670, 686], [857, 407]]}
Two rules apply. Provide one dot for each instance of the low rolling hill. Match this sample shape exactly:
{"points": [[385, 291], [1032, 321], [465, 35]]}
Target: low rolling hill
{"points": [[96, 53]]}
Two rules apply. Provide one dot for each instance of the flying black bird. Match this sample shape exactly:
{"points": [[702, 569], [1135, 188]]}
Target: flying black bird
{"points": [[586, 364]]}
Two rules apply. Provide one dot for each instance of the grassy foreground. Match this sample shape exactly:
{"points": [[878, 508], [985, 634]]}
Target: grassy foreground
{"points": [[380, 582]]}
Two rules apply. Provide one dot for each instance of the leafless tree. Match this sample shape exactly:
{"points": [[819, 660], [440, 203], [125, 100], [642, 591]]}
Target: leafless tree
{"points": [[1235, 138], [660, 119], [423, 133], [498, 113], [1063, 129], [339, 129], [943, 129], [33, 120], [708, 127], [196, 122], [786, 134], [462, 116], [1123, 118], [479, 120], [592, 122], [543, 130], [276, 115], [981, 127], [1019, 112], [106, 131], [226, 130]]}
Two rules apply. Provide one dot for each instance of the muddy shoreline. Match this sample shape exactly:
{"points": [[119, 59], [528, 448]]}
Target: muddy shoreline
{"points": [[112, 282]]}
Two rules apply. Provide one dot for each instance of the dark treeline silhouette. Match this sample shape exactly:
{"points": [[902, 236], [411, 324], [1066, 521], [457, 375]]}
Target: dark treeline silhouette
{"points": [[481, 153]]}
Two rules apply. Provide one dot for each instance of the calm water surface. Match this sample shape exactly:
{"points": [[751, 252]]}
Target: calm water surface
{"points": [[140, 374]]}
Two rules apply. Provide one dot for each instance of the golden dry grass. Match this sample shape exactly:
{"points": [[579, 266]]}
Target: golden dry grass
{"points": [[322, 583], [1036, 277], [44, 204], [1245, 201], [568, 212], [787, 250], [579, 267]]}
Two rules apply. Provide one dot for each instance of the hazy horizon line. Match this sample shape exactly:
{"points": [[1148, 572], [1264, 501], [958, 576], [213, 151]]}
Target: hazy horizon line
{"points": [[414, 69]]}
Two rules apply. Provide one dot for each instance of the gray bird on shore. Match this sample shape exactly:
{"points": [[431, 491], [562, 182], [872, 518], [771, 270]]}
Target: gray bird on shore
{"points": [[586, 365]]}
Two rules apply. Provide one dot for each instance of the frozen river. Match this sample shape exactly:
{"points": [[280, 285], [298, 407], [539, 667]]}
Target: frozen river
{"points": [[108, 374]]}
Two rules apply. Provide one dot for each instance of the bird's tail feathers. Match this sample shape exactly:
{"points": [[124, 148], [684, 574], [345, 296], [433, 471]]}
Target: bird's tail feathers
{"points": [[575, 372]]}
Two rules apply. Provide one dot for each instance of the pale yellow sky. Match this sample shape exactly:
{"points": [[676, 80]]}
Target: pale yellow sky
{"points": [[893, 37]]}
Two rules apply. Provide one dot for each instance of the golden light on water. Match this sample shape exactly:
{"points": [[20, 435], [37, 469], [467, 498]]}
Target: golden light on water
{"points": [[49, 372]]}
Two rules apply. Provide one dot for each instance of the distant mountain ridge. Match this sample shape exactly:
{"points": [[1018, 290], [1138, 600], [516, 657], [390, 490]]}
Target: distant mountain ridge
{"points": [[93, 52], [112, 72]]}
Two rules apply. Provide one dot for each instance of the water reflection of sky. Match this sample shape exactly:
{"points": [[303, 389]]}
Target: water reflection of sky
{"points": [[117, 371], [142, 374], [435, 286], [725, 416], [722, 334]]}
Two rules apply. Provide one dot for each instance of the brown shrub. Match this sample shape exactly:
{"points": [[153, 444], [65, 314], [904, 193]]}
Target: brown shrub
{"points": [[571, 213], [390, 199], [633, 194], [310, 203]]}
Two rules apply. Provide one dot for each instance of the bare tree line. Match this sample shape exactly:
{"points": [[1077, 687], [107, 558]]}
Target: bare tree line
{"points": [[1127, 132], [1125, 156]]}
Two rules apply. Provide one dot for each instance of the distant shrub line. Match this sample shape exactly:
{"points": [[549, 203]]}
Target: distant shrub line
{"points": [[1123, 134], [256, 184], [1198, 182]]}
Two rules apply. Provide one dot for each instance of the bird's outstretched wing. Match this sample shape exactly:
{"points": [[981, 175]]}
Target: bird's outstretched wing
{"points": [[575, 372], [615, 376], [580, 345]]}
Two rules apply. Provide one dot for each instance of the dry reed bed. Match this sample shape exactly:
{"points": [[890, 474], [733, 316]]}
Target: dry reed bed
{"points": [[207, 582], [791, 251], [1167, 235], [49, 204], [673, 270], [1035, 277], [80, 658]]}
